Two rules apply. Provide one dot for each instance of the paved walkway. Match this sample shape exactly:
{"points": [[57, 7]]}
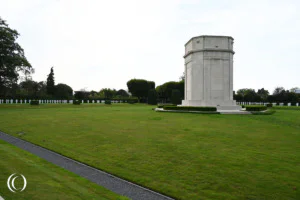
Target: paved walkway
{"points": [[113, 183]]}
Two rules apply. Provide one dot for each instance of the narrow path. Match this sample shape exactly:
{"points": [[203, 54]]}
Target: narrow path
{"points": [[110, 182]]}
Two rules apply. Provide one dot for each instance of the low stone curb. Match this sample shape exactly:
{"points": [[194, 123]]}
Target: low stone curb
{"points": [[109, 181]]}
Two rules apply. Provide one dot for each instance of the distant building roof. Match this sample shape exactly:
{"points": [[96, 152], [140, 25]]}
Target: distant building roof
{"points": [[297, 91]]}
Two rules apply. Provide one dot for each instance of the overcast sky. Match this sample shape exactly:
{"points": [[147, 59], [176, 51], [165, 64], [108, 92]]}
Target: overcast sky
{"points": [[95, 44]]}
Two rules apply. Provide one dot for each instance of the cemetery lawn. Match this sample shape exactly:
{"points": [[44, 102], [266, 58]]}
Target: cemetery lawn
{"points": [[183, 155], [44, 180]]}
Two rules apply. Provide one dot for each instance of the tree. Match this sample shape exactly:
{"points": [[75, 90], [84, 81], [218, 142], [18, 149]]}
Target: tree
{"points": [[122, 93], [63, 91], [248, 94], [294, 89], [263, 94], [165, 90], [12, 58], [50, 83], [140, 87], [107, 93], [278, 90], [93, 94], [29, 89], [151, 85], [175, 98], [152, 97]]}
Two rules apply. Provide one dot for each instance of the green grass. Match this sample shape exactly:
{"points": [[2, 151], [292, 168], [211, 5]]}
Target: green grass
{"points": [[44, 180], [185, 156], [286, 107]]}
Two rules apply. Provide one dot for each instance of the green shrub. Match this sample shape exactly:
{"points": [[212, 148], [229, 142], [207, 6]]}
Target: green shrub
{"points": [[269, 105], [175, 98], [132, 101], [76, 102], [107, 102], [34, 102], [190, 108], [256, 108], [243, 106]]}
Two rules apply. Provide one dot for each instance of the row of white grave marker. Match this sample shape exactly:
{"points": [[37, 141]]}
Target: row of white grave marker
{"points": [[11, 101], [261, 103]]}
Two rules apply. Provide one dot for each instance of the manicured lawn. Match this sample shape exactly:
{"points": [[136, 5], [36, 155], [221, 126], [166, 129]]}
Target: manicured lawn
{"points": [[44, 180], [186, 156]]}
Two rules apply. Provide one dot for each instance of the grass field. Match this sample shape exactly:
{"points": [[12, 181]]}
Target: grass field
{"points": [[45, 180], [186, 156]]}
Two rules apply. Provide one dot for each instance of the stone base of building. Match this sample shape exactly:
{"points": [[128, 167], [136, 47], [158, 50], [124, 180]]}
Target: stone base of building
{"points": [[221, 105]]}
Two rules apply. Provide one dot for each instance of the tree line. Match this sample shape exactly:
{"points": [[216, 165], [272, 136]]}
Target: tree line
{"points": [[279, 95], [13, 63]]}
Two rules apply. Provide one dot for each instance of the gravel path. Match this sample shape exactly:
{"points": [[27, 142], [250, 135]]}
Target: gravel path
{"points": [[111, 182]]}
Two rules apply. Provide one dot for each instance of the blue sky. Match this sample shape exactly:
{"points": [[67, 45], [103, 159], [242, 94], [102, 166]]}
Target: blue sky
{"points": [[95, 44]]}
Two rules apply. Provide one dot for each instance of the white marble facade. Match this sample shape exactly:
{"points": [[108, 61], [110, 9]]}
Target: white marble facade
{"points": [[209, 72]]}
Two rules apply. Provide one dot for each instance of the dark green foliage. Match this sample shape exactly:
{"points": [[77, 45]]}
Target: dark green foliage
{"points": [[151, 85], [107, 93], [190, 108], [152, 97], [248, 94], [122, 93], [164, 91], [12, 59], [263, 94], [76, 102], [140, 87], [256, 108], [34, 102], [175, 98], [132, 100], [107, 102], [81, 94], [269, 105], [50, 83], [63, 91]]}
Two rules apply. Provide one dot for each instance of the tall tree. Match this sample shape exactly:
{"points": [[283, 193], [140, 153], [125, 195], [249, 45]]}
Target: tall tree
{"points": [[63, 91], [122, 93], [12, 58], [175, 98], [50, 83], [278, 90], [165, 90], [263, 94], [140, 87], [152, 97], [107, 93]]}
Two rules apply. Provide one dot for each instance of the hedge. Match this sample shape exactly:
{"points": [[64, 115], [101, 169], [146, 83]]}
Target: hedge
{"points": [[190, 108], [34, 102], [107, 102], [76, 102], [256, 108]]}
